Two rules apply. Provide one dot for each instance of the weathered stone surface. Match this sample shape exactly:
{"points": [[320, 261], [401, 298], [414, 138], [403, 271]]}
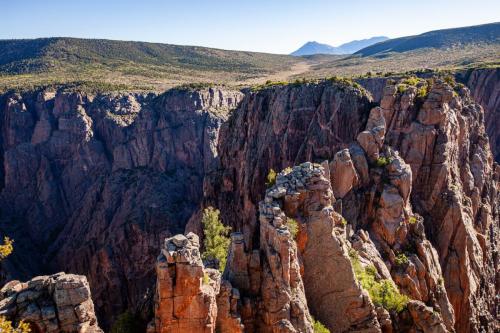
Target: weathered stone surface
{"points": [[228, 317], [343, 174], [104, 179], [55, 303], [276, 128], [185, 299], [328, 274], [484, 85], [426, 320], [455, 190]]}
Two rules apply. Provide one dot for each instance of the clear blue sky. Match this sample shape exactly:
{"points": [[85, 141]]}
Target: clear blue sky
{"points": [[278, 26]]}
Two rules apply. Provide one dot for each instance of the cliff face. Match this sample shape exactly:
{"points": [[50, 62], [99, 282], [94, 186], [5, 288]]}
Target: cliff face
{"points": [[442, 141], [274, 129], [484, 85], [485, 89], [94, 184], [91, 184]]}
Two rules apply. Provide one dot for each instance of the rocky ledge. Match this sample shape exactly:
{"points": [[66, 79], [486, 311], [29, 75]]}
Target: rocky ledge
{"points": [[55, 303]]}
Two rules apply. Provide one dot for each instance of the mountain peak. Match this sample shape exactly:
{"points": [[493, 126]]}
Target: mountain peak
{"points": [[314, 47]]}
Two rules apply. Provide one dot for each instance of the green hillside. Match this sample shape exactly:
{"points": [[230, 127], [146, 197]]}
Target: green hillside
{"points": [[448, 38]]}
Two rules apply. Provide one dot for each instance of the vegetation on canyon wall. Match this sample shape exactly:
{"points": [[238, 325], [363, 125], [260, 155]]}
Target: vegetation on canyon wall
{"points": [[6, 325], [216, 239], [382, 291]]}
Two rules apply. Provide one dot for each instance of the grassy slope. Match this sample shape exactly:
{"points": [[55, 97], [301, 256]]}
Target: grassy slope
{"points": [[447, 38], [121, 65], [139, 64]]}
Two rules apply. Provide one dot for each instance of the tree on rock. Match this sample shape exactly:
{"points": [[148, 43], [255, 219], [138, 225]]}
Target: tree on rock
{"points": [[217, 239]]}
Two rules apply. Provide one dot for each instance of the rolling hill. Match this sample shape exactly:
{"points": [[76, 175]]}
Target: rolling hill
{"points": [[126, 65], [140, 63], [438, 39]]}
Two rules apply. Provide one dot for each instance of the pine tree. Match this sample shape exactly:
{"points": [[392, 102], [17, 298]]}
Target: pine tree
{"points": [[216, 237]]}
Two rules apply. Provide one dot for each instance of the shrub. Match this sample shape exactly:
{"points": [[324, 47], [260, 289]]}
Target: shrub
{"points": [[271, 178], [401, 88], [440, 281], [422, 91], [382, 162], [216, 240], [126, 323], [287, 170], [206, 278], [318, 327], [293, 227], [450, 80], [412, 81], [383, 292], [6, 325], [6, 248], [344, 222], [401, 260], [412, 220]]}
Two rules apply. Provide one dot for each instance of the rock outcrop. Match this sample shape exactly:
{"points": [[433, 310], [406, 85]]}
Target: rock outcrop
{"points": [[103, 178], [440, 168], [454, 188], [276, 128], [55, 303], [186, 292], [306, 196]]}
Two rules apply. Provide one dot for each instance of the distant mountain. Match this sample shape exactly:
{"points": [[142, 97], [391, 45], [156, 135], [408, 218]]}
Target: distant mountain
{"points": [[311, 48], [479, 34]]}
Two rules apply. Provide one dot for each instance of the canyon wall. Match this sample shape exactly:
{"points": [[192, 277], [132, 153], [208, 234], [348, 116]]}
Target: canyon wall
{"points": [[92, 184], [440, 136]]}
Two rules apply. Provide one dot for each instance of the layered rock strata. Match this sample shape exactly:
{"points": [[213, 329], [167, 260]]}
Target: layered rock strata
{"points": [[55, 303]]}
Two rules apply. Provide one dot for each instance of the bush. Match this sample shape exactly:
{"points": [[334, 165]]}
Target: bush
{"points": [[206, 278], [383, 292], [293, 227], [287, 170], [271, 178], [401, 88], [126, 323], [401, 260], [450, 80], [344, 222], [6, 325], [422, 91], [6, 248], [318, 327], [411, 81], [382, 162], [217, 239], [412, 220]]}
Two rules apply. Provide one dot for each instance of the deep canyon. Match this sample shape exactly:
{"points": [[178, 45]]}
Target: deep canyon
{"points": [[93, 184]]}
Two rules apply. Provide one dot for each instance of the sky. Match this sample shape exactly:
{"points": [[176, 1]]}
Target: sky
{"points": [[275, 26]]}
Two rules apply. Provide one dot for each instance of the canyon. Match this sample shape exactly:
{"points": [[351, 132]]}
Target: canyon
{"points": [[381, 179]]}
